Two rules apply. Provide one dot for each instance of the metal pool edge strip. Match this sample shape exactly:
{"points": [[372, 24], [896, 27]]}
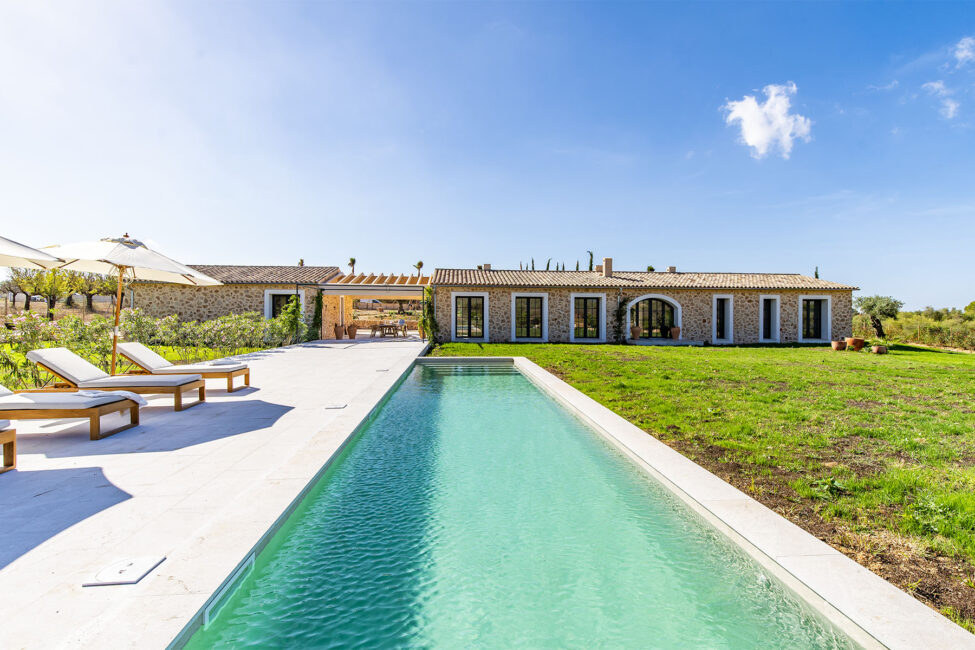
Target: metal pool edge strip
{"points": [[226, 588], [870, 610]]}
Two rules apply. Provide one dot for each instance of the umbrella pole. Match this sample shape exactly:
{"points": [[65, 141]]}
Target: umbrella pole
{"points": [[118, 312]]}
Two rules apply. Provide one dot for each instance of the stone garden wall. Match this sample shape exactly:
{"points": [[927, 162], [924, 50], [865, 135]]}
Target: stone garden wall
{"points": [[206, 303], [696, 311]]}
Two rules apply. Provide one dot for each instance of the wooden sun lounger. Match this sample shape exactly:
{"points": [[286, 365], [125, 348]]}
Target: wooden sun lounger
{"points": [[153, 364], [8, 440], [229, 375], [176, 391], [92, 414]]}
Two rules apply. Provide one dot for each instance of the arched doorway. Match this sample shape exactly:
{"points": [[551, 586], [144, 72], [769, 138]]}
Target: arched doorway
{"points": [[655, 314]]}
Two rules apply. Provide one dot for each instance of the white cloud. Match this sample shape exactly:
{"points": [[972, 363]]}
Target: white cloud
{"points": [[888, 86], [965, 51], [949, 107], [769, 125]]}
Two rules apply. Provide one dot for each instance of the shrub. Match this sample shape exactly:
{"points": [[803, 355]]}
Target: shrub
{"points": [[189, 341]]}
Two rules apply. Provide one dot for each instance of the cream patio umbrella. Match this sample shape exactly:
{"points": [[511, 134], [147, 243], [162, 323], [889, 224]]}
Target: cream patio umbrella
{"points": [[24, 257], [126, 258]]}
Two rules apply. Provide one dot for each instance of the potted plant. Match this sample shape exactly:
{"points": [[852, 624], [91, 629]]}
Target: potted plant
{"points": [[351, 330], [635, 332], [675, 333], [879, 347], [839, 345], [339, 330], [419, 329], [855, 342]]}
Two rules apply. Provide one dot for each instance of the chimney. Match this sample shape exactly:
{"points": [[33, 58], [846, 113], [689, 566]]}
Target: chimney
{"points": [[607, 267], [486, 267], [599, 268], [671, 269]]}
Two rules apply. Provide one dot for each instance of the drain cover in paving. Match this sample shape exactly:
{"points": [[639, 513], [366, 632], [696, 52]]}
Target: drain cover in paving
{"points": [[125, 572], [335, 406]]}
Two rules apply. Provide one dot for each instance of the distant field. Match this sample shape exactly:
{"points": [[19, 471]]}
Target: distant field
{"points": [[873, 454]]}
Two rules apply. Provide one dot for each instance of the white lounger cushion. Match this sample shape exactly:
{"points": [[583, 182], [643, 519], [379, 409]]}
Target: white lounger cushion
{"points": [[67, 364], [4, 424], [144, 356], [200, 367], [84, 375], [156, 364], [121, 381], [45, 401]]}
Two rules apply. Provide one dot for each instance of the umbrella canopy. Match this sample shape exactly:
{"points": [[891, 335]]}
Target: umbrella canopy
{"points": [[20, 256], [125, 257], [130, 256]]}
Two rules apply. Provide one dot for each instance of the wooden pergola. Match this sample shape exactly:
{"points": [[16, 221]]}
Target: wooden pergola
{"points": [[340, 290], [395, 286]]}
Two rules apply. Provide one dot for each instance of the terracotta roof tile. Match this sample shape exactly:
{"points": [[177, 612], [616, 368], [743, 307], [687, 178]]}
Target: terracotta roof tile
{"points": [[635, 279], [232, 274]]}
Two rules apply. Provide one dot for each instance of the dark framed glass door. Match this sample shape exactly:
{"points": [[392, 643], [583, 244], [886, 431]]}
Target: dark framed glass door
{"points": [[721, 318], [768, 304], [469, 317], [812, 318], [655, 316], [528, 317], [586, 325]]}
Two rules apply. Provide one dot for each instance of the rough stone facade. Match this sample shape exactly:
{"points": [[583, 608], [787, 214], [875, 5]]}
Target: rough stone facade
{"points": [[696, 311], [331, 313], [206, 303]]}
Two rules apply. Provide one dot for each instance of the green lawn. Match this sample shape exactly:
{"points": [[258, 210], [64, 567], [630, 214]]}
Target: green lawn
{"points": [[873, 454]]}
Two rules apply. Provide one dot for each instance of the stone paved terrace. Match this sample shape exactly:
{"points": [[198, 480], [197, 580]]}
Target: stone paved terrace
{"points": [[200, 487]]}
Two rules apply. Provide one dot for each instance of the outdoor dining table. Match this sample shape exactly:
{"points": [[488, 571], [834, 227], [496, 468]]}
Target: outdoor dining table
{"points": [[389, 330]]}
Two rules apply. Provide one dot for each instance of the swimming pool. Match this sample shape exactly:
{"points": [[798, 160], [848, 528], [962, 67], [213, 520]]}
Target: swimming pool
{"points": [[475, 510]]}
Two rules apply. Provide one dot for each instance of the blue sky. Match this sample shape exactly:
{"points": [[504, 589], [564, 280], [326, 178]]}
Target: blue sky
{"points": [[462, 133]]}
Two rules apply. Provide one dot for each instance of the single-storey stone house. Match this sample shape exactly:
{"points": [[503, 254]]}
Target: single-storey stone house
{"points": [[486, 305], [262, 289]]}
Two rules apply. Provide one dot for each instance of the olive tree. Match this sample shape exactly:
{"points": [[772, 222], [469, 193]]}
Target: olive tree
{"points": [[877, 307], [28, 281]]}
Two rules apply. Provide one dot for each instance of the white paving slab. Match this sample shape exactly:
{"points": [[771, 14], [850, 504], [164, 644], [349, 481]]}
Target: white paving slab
{"points": [[200, 487]]}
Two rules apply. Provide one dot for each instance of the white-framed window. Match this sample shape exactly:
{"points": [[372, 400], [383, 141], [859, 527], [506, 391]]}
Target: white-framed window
{"points": [[815, 319], [722, 318], [587, 317], [469, 316], [768, 319], [529, 317], [276, 299]]}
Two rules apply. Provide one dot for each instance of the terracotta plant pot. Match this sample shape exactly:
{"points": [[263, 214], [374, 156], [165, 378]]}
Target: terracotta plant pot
{"points": [[675, 333], [351, 330], [855, 342], [635, 331], [339, 331], [839, 345], [419, 329], [879, 349]]}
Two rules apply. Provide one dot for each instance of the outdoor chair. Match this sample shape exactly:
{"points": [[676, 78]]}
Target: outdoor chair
{"points": [[8, 440], [91, 405], [151, 363], [76, 373]]}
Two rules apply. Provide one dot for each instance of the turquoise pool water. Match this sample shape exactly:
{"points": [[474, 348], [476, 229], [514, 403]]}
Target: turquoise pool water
{"points": [[474, 511]]}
